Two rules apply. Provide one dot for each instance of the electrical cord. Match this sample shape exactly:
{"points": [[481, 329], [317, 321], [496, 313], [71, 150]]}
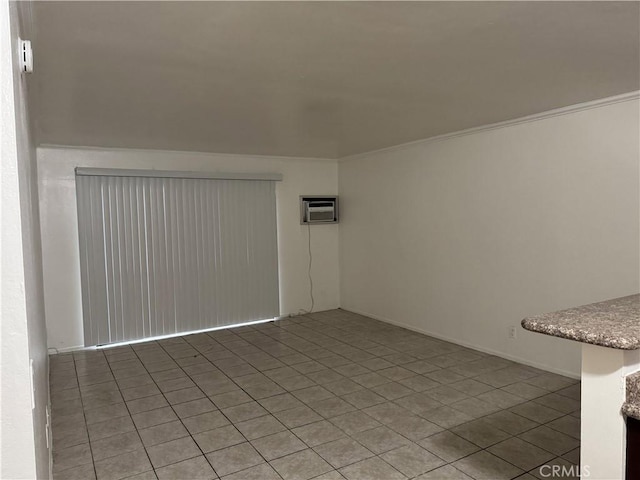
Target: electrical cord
{"points": [[310, 263], [304, 312]]}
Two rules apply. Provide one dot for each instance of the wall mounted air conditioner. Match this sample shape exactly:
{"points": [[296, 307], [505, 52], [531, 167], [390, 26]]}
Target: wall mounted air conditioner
{"points": [[318, 209]]}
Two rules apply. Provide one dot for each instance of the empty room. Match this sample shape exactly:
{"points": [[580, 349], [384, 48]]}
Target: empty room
{"points": [[290, 240]]}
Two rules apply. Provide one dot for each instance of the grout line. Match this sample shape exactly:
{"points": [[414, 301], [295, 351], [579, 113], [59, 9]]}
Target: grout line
{"points": [[179, 418], [84, 415], [130, 415], [208, 398]]}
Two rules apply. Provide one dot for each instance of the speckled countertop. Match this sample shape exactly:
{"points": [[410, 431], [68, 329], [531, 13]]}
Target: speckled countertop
{"points": [[631, 407], [613, 323]]}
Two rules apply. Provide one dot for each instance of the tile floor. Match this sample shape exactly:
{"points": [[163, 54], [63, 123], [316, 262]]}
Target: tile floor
{"points": [[324, 396]]}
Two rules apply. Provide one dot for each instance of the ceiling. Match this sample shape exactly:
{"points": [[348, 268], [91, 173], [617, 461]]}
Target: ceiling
{"points": [[317, 79]]}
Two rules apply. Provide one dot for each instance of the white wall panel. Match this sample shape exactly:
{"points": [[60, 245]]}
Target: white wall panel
{"points": [[463, 237], [168, 255]]}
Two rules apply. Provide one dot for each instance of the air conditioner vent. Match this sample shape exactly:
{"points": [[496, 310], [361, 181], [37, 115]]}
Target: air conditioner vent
{"points": [[316, 209]]}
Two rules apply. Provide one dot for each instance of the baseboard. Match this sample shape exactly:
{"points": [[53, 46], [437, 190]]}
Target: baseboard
{"points": [[479, 348]]}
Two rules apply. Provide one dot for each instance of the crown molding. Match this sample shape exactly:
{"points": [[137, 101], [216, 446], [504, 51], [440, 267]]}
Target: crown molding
{"points": [[578, 107], [182, 153]]}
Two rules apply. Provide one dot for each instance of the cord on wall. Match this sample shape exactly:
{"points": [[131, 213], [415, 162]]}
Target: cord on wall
{"points": [[309, 273]]}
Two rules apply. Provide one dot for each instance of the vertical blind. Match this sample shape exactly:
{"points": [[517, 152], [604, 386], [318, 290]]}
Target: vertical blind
{"points": [[162, 255]]}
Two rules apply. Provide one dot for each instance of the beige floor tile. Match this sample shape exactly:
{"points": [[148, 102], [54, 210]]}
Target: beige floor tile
{"points": [[354, 422], [343, 452], [392, 390], [70, 457], [550, 440], [260, 427], [151, 418], [82, 472], [184, 395], [412, 460], [108, 412], [206, 421], [352, 370], [230, 399], [100, 400], [123, 466], [370, 469], [364, 398], [308, 367], [172, 452], [116, 445], [418, 403], [510, 422], [312, 394], [567, 470], [297, 382], [419, 383], [331, 407], [343, 387], [281, 402], [536, 412], [381, 439], [301, 465], [333, 475], [278, 445], [318, 433], [162, 433], [111, 427], [100, 388], [396, 373], [446, 417], [559, 402], [573, 456], [171, 374], [370, 379], [475, 407], [485, 466], [218, 438], [233, 459], [500, 398], [520, 453], [480, 432], [260, 472], [297, 417], [550, 382], [140, 392], [245, 411], [447, 472], [524, 390], [377, 364], [448, 446], [176, 384], [413, 427], [147, 403], [194, 407]]}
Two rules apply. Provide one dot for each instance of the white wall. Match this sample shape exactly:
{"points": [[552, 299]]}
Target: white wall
{"points": [[465, 236], [24, 449], [60, 230]]}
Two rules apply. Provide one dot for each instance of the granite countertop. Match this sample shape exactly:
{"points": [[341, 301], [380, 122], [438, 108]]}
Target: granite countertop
{"points": [[613, 323], [631, 407]]}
